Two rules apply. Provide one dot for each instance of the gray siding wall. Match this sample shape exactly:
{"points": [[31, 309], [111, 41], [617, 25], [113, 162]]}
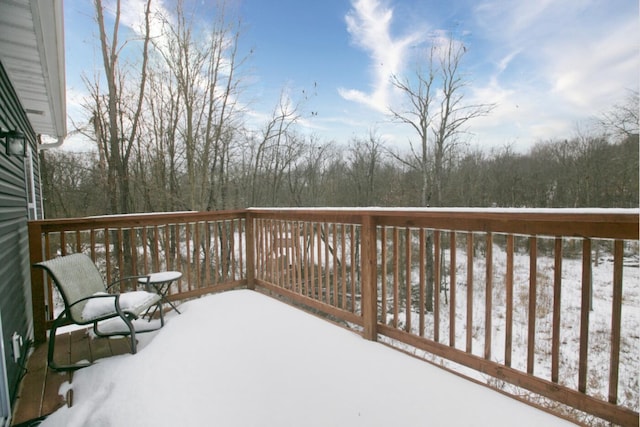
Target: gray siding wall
{"points": [[15, 287]]}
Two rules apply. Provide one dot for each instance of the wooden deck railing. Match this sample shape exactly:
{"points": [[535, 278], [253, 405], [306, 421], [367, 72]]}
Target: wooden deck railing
{"points": [[535, 299], [208, 248]]}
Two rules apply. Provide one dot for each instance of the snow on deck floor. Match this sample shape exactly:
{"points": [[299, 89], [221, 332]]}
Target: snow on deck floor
{"points": [[243, 359]]}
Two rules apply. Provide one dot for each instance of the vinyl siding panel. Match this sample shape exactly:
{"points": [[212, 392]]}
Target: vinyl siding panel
{"points": [[15, 286]]}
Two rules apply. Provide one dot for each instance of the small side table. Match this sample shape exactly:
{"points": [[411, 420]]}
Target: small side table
{"points": [[161, 282]]}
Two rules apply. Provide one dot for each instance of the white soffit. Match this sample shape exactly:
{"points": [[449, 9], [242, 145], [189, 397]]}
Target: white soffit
{"points": [[32, 52]]}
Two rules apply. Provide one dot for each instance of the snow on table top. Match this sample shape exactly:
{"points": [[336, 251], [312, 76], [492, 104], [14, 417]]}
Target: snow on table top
{"points": [[161, 277], [243, 359]]}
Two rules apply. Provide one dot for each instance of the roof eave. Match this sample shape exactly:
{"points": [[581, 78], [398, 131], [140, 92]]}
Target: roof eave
{"points": [[49, 30]]}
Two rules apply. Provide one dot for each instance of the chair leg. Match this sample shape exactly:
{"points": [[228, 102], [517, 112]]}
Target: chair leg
{"points": [[128, 318], [52, 342], [161, 313], [132, 330], [50, 351]]}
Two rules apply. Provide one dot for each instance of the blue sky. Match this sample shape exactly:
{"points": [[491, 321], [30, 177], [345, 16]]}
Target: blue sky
{"points": [[549, 65]]}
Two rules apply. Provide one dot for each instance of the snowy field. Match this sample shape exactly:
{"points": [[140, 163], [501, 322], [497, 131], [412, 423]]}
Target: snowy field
{"points": [[243, 359], [599, 319]]}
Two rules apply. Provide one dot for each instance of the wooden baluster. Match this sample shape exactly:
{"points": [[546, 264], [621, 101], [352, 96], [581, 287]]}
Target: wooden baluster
{"points": [[206, 229], [533, 280], [312, 260], [557, 286], [508, 334], [107, 248], [353, 269], [407, 278], [78, 242], [396, 276], [369, 286], [585, 307], [320, 261], [436, 285], [327, 275], [63, 243], [92, 243], [120, 239], [241, 252], [134, 251], [488, 328], [167, 248], [469, 342], [178, 259], [145, 251], [616, 320], [196, 254], [343, 263], [422, 273], [187, 243], [306, 257], [452, 288], [334, 241], [383, 284], [232, 248]]}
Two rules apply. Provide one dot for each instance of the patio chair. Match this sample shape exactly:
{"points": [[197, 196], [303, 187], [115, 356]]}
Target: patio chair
{"points": [[87, 301]]}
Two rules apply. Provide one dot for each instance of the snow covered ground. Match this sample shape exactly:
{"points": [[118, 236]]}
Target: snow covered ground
{"points": [[243, 359]]}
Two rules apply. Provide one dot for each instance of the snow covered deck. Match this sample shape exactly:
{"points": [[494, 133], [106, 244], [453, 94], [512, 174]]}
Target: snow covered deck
{"points": [[536, 303], [241, 358]]}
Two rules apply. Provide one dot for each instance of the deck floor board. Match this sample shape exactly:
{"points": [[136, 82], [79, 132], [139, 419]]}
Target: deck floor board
{"points": [[39, 393]]}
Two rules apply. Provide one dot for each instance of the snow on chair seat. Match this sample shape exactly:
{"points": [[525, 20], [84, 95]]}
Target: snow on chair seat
{"points": [[87, 300], [102, 304]]}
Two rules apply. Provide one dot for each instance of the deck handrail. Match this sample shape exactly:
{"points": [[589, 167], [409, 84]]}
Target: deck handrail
{"points": [[372, 269], [142, 243]]}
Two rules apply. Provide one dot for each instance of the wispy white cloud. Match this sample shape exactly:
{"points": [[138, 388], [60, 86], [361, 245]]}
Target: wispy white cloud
{"points": [[369, 24], [556, 64], [132, 16], [598, 68]]}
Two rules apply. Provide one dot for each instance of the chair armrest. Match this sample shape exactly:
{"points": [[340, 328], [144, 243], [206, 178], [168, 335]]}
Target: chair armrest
{"points": [[115, 297]]}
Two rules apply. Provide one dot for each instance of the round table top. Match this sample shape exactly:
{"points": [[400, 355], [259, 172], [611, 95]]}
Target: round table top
{"points": [[161, 277]]}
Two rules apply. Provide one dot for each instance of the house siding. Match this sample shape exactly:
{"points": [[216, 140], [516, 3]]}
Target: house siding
{"points": [[15, 287]]}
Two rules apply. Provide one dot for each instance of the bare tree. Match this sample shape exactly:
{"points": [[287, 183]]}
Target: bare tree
{"points": [[202, 60], [117, 127], [159, 156], [454, 113], [69, 182], [438, 113], [419, 116], [307, 176], [365, 160], [273, 151], [622, 120]]}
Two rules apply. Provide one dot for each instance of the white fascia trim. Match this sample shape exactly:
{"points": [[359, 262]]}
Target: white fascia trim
{"points": [[48, 22]]}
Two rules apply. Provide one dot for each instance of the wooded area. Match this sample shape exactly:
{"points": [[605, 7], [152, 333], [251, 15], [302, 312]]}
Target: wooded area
{"points": [[577, 173], [170, 135]]}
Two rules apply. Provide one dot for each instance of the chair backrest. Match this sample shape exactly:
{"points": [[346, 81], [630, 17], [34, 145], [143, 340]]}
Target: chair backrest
{"points": [[76, 277]]}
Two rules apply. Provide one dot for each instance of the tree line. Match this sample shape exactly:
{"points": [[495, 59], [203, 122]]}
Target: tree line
{"points": [[582, 172], [170, 134]]}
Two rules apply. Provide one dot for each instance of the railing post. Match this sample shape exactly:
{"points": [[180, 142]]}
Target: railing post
{"points": [[369, 282], [250, 249], [37, 284]]}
